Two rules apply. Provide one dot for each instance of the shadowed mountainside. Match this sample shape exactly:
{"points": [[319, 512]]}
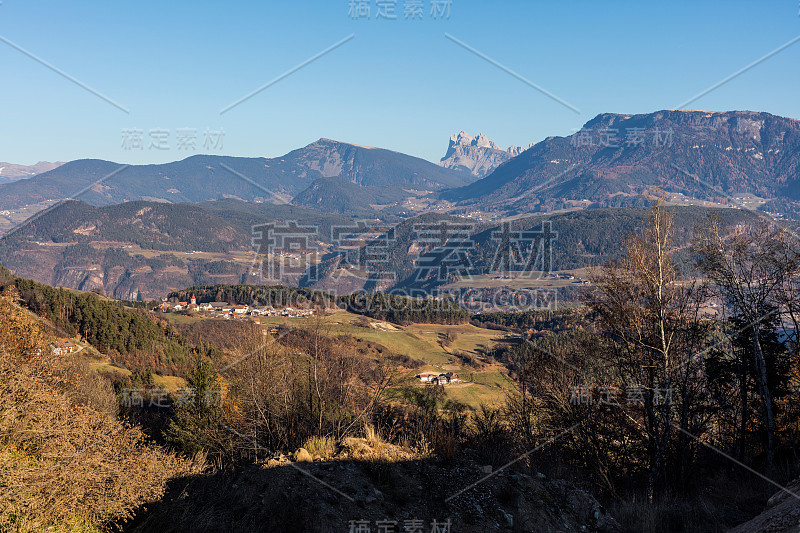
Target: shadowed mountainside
{"points": [[617, 158]]}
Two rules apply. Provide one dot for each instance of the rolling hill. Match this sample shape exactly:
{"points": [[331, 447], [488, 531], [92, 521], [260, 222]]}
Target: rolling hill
{"points": [[206, 177], [583, 238], [145, 249], [337, 195]]}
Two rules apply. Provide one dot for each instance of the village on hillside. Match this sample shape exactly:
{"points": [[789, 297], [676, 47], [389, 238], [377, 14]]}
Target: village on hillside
{"points": [[228, 311]]}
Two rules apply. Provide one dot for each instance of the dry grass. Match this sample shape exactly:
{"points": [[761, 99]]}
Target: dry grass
{"points": [[372, 435], [65, 460], [374, 451], [322, 447]]}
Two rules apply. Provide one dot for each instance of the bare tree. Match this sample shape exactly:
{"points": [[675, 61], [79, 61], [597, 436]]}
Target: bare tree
{"points": [[754, 271], [650, 316]]}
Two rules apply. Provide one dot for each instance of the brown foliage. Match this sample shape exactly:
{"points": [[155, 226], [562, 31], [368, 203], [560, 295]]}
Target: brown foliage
{"points": [[303, 383], [64, 459]]}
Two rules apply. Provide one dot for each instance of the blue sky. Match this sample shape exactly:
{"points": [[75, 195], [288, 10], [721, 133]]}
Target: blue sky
{"points": [[398, 84]]}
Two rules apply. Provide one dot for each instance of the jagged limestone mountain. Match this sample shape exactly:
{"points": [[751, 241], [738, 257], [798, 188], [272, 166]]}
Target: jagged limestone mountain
{"points": [[477, 155]]}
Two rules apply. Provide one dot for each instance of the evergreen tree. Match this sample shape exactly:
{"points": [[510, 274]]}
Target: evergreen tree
{"points": [[198, 414]]}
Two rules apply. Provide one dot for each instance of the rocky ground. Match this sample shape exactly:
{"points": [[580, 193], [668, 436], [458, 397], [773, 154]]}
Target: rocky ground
{"points": [[376, 487], [782, 514]]}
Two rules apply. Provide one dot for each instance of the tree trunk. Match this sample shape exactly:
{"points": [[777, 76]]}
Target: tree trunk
{"points": [[766, 395], [683, 452], [745, 410]]}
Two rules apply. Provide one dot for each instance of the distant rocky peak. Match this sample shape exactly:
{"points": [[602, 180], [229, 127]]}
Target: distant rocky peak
{"points": [[465, 139], [477, 155], [516, 150], [462, 138], [12, 172]]}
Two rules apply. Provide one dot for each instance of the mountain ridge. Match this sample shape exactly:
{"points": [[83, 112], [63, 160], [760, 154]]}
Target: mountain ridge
{"points": [[706, 155], [11, 172], [199, 178]]}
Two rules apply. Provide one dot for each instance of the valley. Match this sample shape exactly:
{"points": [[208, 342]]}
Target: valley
{"points": [[400, 267], [353, 306]]}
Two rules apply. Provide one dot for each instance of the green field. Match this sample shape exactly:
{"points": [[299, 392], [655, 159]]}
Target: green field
{"points": [[423, 342]]}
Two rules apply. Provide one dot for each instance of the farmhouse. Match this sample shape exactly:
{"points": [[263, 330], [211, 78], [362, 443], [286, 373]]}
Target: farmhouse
{"points": [[435, 378], [445, 378], [427, 377], [62, 347]]}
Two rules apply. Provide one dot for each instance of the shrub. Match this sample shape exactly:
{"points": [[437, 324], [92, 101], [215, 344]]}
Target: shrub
{"points": [[324, 447], [66, 462]]}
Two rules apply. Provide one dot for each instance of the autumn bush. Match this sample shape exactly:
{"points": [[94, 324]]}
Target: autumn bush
{"points": [[65, 461]]}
